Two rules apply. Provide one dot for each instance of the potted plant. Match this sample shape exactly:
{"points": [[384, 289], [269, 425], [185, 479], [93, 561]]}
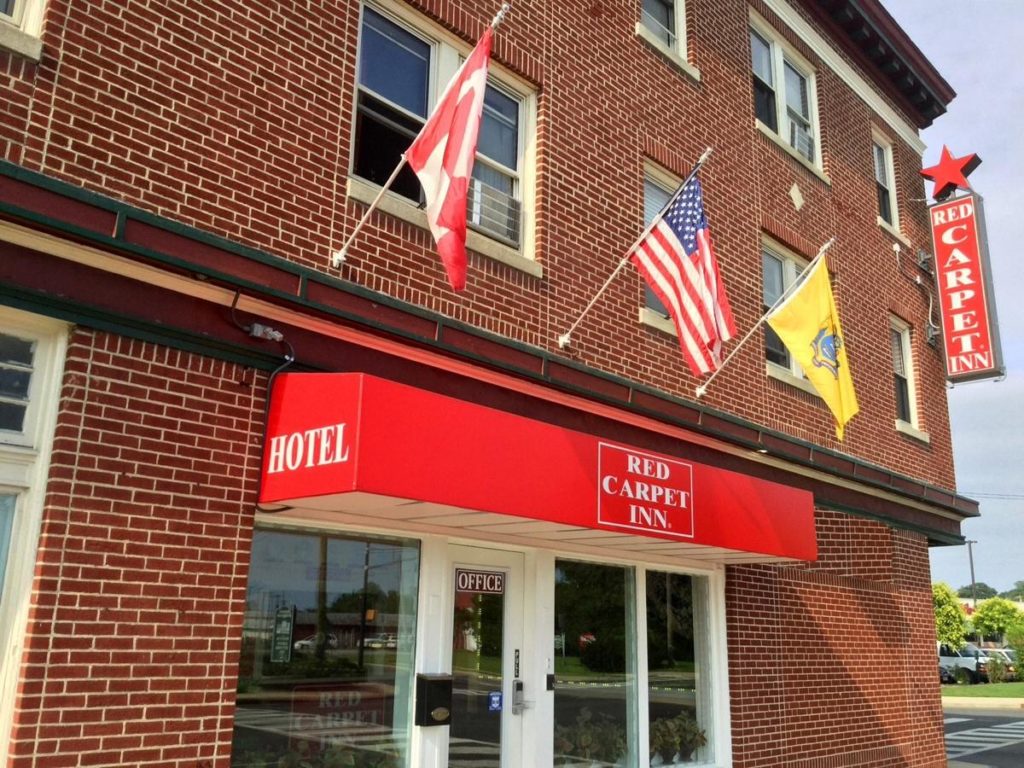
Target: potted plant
{"points": [[675, 739]]}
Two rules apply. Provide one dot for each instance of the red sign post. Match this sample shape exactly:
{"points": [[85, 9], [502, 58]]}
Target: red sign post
{"points": [[969, 326]]}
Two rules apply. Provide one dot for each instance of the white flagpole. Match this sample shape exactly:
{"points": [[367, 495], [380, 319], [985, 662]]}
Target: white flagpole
{"points": [[342, 253], [566, 338], [785, 295]]}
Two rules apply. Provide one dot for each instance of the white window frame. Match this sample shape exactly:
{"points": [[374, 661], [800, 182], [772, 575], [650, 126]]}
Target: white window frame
{"points": [[676, 49], [24, 466], [447, 54], [880, 142], [20, 30], [793, 267], [669, 183], [913, 426], [782, 53]]}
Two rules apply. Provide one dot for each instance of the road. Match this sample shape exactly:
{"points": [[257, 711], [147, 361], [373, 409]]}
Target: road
{"points": [[982, 737]]}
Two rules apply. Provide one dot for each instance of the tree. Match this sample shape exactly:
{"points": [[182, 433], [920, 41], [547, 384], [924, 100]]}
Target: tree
{"points": [[1014, 593], [950, 621], [981, 589], [996, 615]]}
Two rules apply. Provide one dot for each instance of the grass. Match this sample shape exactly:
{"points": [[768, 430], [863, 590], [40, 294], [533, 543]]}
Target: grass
{"points": [[986, 691]]}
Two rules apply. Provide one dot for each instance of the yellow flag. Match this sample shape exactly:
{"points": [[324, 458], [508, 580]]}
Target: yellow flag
{"points": [[808, 324]]}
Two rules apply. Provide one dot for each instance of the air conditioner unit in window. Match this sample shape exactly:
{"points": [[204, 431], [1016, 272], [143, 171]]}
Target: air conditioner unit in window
{"points": [[801, 140]]}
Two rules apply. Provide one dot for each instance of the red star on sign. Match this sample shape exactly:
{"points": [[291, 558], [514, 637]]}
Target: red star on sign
{"points": [[950, 172]]}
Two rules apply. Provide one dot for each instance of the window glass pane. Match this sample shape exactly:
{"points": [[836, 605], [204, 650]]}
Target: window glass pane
{"points": [[14, 382], [655, 198], [884, 204], [902, 399], [774, 283], [674, 668], [881, 172], [896, 338], [382, 135], [499, 129], [16, 351], [594, 651], [394, 63], [6, 524], [659, 17], [796, 92], [327, 650], [761, 58], [7, 7]]}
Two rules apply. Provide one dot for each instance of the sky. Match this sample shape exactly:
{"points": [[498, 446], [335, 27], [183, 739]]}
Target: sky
{"points": [[976, 46]]}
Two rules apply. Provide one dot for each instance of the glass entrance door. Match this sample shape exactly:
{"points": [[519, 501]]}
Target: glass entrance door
{"points": [[487, 660]]}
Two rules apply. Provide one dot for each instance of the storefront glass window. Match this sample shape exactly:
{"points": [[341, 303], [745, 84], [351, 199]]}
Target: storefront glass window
{"points": [[595, 670], [676, 727], [327, 651]]}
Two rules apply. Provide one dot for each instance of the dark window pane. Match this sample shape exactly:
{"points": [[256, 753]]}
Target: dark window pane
{"points": [[884, 208], [12, 417], [774, 350], [655, 198], [382, 135], [7, 503], [7, 7], [902, 399], [17, 351], [394, 63], [672, 661], [764, 105], [14, 383], [593, 618]]}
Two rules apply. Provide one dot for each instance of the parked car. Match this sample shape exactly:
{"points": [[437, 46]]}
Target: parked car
{"points": [[945, 676], [381, 641], [1007, 656], [970, 658], [309, 643]]}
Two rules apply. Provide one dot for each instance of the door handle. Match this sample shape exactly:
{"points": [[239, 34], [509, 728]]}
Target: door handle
{"points": [[518, 700]]}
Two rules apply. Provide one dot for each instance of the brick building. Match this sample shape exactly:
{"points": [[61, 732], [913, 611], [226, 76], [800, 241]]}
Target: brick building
{"points": [[174, 180]]}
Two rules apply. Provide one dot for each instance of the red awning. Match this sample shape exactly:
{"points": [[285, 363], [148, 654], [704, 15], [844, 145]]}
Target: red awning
{"points": [[369, 447]]}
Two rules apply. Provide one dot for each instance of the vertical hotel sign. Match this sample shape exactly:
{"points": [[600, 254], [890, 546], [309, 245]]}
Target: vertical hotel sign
{"points": [[970, 331]]}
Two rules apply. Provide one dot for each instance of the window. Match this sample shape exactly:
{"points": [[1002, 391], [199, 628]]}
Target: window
{"points": [[327, 650], [881, 153], [899, 335], [783, 93], [663, 19], [402, 71], [635, 635], [780, 270], [20, 25], [658, 190], [8, 9], [31, 356]]}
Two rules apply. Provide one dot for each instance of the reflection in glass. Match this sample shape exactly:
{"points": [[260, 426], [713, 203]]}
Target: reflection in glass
{"points": [[477, 646], [675, 729], [595, 668], [327, 649]]}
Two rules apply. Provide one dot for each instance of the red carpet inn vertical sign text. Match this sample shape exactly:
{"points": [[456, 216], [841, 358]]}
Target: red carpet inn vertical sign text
{"points": [[970, 330]]}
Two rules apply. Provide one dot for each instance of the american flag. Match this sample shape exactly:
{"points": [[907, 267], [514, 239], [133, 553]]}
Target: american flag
{"points": [[678, 262]]}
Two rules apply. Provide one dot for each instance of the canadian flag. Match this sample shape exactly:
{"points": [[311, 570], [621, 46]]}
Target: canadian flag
{"points": [[442, 157]]}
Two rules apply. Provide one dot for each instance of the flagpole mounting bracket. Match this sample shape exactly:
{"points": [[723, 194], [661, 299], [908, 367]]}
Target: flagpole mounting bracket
{"points": [[564, 340], [339, 257]]}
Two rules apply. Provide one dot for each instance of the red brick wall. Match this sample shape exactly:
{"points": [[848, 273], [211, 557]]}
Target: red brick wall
{"points": [[140, 584], [238, 122], [832, 664]]}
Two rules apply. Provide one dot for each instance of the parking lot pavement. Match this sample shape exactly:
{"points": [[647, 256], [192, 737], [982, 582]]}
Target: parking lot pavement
{"points": [[958, 764]]}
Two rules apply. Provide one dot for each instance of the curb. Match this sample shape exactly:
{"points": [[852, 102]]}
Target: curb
{"points": [[980, 702]]}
